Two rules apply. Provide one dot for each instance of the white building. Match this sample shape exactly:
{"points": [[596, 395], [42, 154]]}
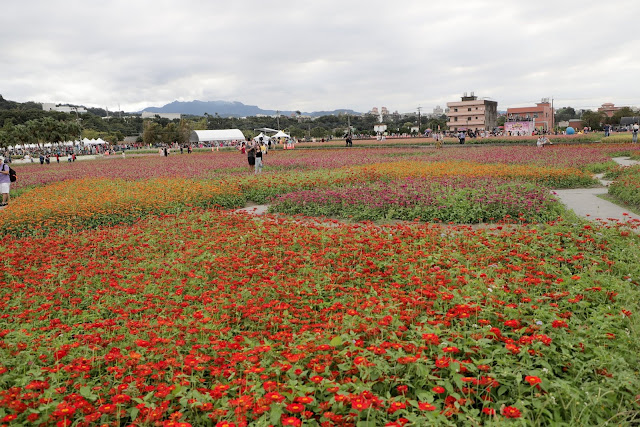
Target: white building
{"points": [[51, 106], [170, 116]]}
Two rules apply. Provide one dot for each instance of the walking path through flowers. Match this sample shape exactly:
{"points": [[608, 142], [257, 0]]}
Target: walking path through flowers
{"points": [[586, 203]]}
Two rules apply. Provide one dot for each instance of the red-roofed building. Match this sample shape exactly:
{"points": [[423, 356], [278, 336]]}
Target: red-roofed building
{"points": [[542, 115], [608, 108]]}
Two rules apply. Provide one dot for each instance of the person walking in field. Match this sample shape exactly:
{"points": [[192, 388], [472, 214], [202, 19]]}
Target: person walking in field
{"points": [[259, 156], [634, 136], [260, 149], [251, 154], [5, 182]]}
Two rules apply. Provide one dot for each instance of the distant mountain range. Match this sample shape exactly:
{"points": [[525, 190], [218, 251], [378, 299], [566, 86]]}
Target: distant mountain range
{"points": [[230, 109]]}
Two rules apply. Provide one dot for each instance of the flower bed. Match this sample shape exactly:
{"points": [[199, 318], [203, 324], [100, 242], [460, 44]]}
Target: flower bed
{"points": [[547, 176], [626, 187], [224, 163], [455, 199], [87, 203], [212, 317]]}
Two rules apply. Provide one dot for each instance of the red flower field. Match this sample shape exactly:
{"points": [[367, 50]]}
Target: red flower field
{"points": [[209, 317]]}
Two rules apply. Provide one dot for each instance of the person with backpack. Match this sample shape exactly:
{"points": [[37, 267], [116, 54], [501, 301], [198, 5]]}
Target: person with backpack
{"points": [[5, 182]]}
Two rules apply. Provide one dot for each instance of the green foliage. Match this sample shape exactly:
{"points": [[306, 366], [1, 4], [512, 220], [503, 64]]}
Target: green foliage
{"points": [[319, 132], [593, 119], [626, 187], [39, 131], [565, 113], [602, 167], [619, 114]]}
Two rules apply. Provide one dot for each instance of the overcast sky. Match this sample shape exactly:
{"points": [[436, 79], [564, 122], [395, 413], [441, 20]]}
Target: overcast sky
{"points": [[320, 55]]}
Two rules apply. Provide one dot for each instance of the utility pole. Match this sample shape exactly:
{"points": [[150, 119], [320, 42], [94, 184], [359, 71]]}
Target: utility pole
{"points": [[419, 108], [553, 116], [79, 124]]}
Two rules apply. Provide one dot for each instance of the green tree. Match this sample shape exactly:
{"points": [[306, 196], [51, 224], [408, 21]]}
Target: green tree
{"points": [[170, 134], [565, 113], [298, 133], [151, 133], [619, 114], [319, 132], [185, 131], [90, 134], [593, 119]]}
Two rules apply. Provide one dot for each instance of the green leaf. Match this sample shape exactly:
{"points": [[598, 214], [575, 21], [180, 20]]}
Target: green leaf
{"points": [[87, 394], [176, 390], [276, 413], [336, 341], [133, 413]]}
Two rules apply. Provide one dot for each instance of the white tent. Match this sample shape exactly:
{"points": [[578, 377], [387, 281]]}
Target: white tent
{"points": [[263, 136], [280, 134], [216, 135], [98, 141]]}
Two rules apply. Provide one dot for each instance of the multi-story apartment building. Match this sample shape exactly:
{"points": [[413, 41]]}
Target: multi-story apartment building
{"points": [[472, 113]]}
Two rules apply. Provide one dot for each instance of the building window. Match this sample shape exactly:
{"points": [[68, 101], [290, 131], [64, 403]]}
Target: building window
{"points": [[476, 118], [455, 119], [468, 119], [455, 110], [469, 109], [535, 116]]}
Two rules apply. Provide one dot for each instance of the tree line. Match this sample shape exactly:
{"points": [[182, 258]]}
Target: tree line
{"points": [[27, 123], [39, 132], [594, 119]]}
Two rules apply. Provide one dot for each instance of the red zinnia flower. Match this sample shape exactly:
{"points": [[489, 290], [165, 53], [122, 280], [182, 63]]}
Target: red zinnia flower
{"points": [[488, 411], [296, 408], [424, 406], [511, 412], [291, 421], [532, 380]]}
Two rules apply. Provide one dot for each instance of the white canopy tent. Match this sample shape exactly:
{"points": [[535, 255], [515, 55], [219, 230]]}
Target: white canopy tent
{"points": [[264, 137], [280, 134], [216, 135], [98, 141]]}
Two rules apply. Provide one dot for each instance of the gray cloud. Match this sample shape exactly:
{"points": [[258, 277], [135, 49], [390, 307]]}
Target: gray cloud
{"points": [[319, 55]]}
